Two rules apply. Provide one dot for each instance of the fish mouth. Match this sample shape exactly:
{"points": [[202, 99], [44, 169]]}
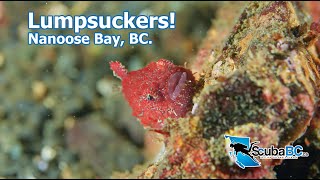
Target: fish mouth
{"points": [[176, 83]]}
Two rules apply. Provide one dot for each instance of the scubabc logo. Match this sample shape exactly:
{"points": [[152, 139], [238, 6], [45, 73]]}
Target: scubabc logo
{"points": [[244, 152]]}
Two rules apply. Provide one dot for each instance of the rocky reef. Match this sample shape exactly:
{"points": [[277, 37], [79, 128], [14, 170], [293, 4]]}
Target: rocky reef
{"points": [[61, 113], [263, 83]]}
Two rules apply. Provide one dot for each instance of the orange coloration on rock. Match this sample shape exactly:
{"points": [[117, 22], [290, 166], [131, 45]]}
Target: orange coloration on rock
{"points": [[158, 91], [314, 10], [196, 158]]}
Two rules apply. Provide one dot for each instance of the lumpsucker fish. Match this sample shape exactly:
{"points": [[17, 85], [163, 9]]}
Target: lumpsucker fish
{"points": [[156, 92]]}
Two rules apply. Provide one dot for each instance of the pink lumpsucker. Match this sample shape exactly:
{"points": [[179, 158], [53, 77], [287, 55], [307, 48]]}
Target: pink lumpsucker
{"points": [[156, 92]]}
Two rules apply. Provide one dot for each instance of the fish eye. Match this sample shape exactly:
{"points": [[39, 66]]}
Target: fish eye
{"points": [[150, 97]]}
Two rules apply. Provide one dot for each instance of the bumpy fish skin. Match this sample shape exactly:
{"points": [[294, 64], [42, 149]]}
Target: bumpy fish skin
{"points": [[158, 91]]}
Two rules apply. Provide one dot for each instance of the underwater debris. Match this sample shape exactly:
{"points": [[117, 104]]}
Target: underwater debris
{"points": [[159, 91], [265, 86]]}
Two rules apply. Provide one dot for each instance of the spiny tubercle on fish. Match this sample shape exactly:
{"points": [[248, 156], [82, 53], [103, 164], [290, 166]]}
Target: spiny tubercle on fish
{"points": [[156, 92]]}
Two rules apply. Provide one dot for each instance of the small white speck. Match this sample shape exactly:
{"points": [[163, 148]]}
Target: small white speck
{"points": [[161, 154], [194, 108], [48, 153]]}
